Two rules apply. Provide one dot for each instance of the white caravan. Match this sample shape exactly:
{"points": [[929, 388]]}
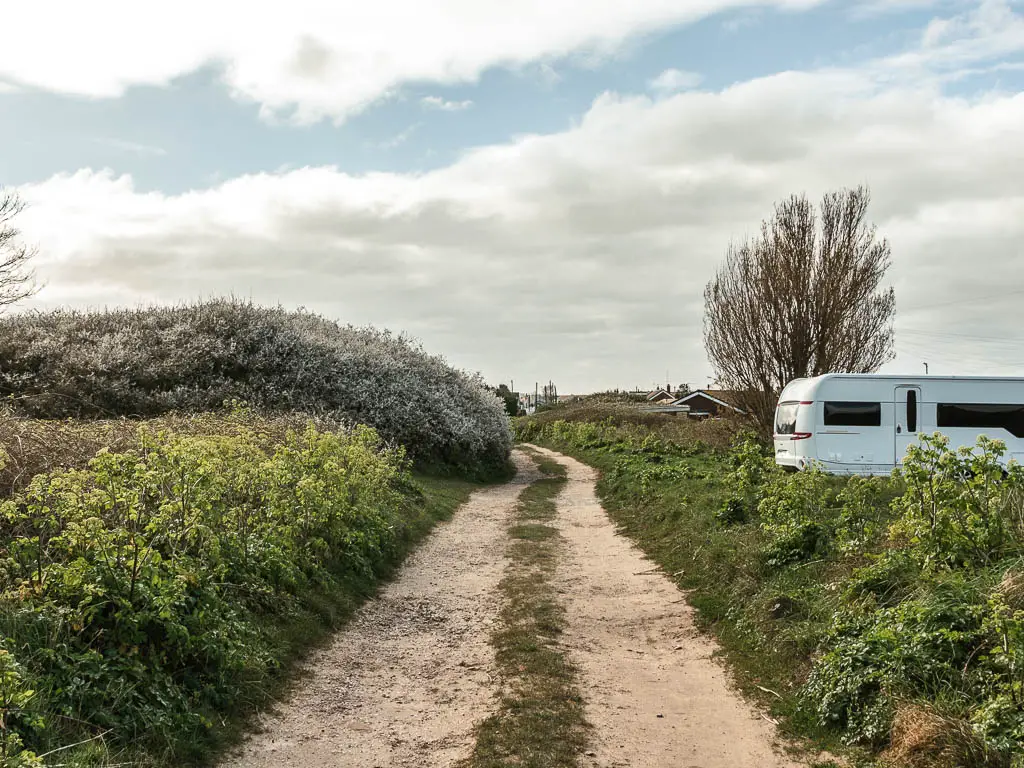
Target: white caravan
{"points": [[862, 424]]}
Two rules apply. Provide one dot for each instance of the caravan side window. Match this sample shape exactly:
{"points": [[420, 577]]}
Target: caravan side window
{"points": [[848, 414], [981, 415]]}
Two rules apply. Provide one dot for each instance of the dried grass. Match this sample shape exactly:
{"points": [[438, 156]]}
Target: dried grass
{"points": [[1012, 589], [923, 737], [34, 446]]}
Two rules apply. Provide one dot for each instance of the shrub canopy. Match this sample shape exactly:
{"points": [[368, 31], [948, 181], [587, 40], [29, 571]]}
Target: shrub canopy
{"points": [[145, 362]]}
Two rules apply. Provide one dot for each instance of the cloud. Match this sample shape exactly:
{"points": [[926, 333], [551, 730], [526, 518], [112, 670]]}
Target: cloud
{"points": [[307, 60], [988, 31], [398, 139], [672, 80], [131, 146], [581, 256], [437, 102]]}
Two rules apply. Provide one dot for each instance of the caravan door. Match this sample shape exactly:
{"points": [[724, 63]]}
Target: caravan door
{"points": [[906, 418]]}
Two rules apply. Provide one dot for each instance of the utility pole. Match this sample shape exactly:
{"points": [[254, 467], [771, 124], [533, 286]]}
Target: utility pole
{"points": [[926, 369]]}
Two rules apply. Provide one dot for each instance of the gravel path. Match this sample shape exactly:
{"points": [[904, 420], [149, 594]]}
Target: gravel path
{"points": [[406, 682]]}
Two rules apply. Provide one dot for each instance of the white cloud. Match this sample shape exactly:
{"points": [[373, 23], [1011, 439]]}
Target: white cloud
{"points": [[398, 139], [437, 102], [581, 256], [672, 80], [987, 31], [131, 146], [308, 59]]}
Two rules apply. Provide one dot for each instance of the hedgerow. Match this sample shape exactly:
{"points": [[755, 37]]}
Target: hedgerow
{"points": [[885, 614], [149, 591], [146, 362]]}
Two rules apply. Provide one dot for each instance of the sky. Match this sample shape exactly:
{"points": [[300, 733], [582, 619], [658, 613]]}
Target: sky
{"points": [[536, 189]]}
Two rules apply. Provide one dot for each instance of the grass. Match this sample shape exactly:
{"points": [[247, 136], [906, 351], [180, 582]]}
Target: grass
{"points": [[540, 720]]}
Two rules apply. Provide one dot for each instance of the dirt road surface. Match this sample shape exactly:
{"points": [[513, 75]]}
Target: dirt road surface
{"points": [[407, 682], [654, 695]]}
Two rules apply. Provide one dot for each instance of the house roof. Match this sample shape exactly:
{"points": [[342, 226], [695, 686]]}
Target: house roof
{"points": [[658, 393], [719, 396]]}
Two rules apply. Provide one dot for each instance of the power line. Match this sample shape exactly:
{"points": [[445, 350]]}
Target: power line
{"points": [[963, 301], [941, 335]]}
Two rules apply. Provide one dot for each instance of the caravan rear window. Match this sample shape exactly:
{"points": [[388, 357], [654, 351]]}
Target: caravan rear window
{"points": [[785, 418], [850, 414], [981, 415]]}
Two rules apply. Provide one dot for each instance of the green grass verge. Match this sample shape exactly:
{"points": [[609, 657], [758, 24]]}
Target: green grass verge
{"points": [[540, 720]]}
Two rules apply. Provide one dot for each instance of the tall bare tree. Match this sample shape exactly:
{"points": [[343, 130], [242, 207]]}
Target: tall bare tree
{"points": [[801, 299], [17, 278]]}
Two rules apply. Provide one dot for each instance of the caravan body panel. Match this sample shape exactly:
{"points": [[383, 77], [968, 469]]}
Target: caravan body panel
{"points": [[864, 423]]}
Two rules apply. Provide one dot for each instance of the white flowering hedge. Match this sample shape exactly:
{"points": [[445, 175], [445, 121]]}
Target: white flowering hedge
{"points": [[142, 363]]}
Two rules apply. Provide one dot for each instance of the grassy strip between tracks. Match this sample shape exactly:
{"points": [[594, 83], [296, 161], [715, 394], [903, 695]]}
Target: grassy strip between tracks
{"points": [[540, 721]]}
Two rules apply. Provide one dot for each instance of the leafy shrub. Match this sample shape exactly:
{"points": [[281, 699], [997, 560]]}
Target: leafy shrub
{"points": [[921, 648], [888, 579], [958, 504], [142, 593], [864, 513], [797, 512], [143, 363], [732, 512], [15, 701]]}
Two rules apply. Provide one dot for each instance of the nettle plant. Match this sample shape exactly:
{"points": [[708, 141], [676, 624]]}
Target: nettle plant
{"points": [[811, 513], [960, 507], [15, 700]]}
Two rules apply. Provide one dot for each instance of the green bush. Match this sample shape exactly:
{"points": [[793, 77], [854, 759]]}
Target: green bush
{"points": [[918, 648], [959, 506], [145, 593], [732, 512]]}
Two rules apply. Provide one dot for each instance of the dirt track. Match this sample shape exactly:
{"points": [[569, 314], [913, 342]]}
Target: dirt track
{"points": [[655, 696], [405, 684]]}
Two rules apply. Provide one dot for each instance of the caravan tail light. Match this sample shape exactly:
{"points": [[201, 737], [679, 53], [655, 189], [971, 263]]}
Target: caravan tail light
{"points": [[802, 435]]}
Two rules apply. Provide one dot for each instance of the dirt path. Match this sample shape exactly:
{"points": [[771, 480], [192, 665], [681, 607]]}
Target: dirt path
{"points": [[405, 684], [655, 696]]}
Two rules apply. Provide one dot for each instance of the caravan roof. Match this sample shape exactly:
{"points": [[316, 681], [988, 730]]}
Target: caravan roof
{"points": [[810, 388]]}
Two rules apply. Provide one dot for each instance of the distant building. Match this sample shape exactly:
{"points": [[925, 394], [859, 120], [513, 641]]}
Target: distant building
{"points": [[710, 403], [660, 396]]}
